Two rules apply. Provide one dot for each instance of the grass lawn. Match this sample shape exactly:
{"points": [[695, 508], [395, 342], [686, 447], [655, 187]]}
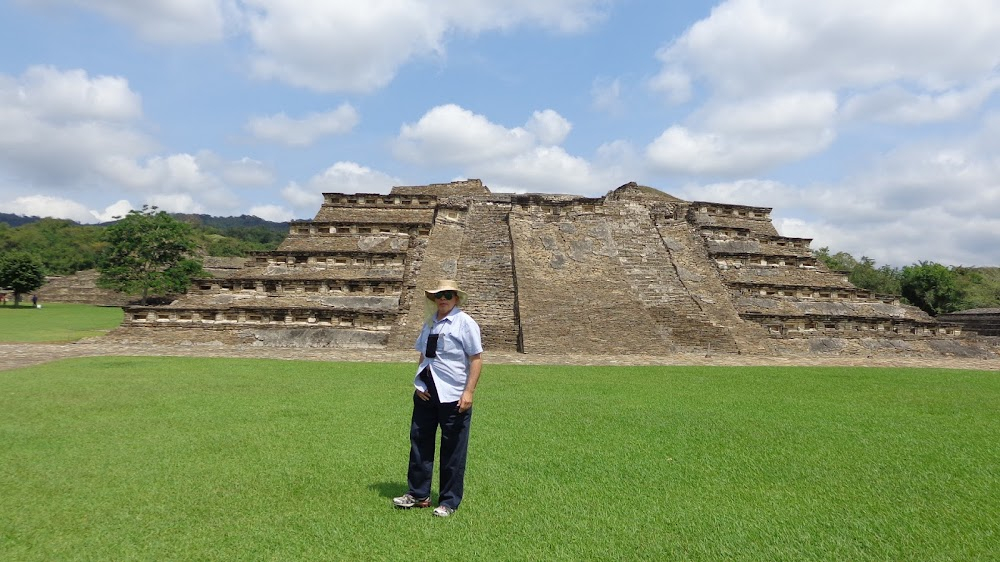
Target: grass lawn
{"points": [[56, 322], [221, 459]]}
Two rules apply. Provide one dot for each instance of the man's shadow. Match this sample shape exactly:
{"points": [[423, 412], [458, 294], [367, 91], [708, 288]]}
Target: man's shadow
{"points": [[392, 489]]}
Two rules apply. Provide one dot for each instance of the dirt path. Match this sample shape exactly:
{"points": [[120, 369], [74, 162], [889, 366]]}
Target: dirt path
{"points": [[13, 356]]}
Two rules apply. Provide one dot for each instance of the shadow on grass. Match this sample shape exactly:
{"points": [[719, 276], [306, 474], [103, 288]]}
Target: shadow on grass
{"points": [[389, 489], [394, 489]]}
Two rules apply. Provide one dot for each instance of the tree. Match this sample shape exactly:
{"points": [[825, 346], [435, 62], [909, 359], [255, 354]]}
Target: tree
{"points": [[980, 287], [62, 246], [148, 252], [932, 287], [21, 272], [883, 280], [841, 261], [862, 274]]}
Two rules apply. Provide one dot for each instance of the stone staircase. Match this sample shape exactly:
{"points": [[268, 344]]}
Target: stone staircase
{"points": [[486, 273], [649, 269], [572, 294]]}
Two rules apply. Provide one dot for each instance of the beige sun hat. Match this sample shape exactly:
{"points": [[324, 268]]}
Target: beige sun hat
{"points": [[446, 285]]}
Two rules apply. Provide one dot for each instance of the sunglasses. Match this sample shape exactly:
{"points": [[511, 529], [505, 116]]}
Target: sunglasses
{"points": [[446, 295]]}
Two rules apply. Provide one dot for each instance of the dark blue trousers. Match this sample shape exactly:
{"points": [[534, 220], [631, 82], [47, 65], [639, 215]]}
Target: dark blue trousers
{"points": [[428, 415]]}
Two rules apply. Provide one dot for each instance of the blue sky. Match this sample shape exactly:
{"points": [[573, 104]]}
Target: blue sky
{"points": [[870, 127]]}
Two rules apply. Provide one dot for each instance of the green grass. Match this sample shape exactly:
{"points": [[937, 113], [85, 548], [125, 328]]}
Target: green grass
{"points": [[221, 459], [56, 322]]}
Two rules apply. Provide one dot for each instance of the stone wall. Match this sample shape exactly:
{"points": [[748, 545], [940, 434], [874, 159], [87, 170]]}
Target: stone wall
{"points": [[982, 321]]}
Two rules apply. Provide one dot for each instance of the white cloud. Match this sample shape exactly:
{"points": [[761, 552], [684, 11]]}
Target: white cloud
{"points": [[776, 114], [176, 172], [305, 131], [59, 124], [273, 213], [301, 197], [337, 46], [164, 21], [246, 172], [673, 83], [188, 183], [449, 134], [895, 104], [59, 96], [75, 137], [119, 208], [749, 46], [46, 206], [748, 136], [511, 159], [340, 46], [342, 177], [549, 127], [762, 193], [545, 169], [775, 72], [60, 207], [349, 177], [927, 200], [359, 47], [176, 203]]}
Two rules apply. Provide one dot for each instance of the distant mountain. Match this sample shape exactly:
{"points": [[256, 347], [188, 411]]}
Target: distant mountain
{"points": [[17, 220], [224, 223], [221, 223]]}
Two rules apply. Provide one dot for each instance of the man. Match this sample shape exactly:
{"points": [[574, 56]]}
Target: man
{"points": [[451, 360]]}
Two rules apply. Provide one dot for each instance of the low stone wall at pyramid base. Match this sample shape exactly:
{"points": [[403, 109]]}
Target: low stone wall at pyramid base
{"points": [[971, 347], [287, 337]]}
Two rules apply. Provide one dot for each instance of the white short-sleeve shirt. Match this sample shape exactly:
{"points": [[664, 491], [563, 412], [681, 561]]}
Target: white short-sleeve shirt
{"points": [[459, 339]]}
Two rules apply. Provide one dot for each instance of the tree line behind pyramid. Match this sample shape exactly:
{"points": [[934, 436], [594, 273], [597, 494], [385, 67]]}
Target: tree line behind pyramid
{"points": [[635, 271]]}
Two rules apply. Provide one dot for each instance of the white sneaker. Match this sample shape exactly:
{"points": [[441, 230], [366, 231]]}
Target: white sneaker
{"points": [[443, 511], [406, 501]]}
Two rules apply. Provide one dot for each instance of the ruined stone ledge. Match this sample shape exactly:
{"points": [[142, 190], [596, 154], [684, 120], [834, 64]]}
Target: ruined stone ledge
{"points": [[811, 292], [810, 326], [753, 248], [263, 303], [193, 318], [364, 200], [313, 272], [337, 216], [844, 309], [336, 245], [762, 259], [787, 276]]}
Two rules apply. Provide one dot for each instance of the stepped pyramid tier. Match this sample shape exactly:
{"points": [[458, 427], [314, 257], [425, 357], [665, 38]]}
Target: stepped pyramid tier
{"points": [[80, 287], [635, 271]]}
